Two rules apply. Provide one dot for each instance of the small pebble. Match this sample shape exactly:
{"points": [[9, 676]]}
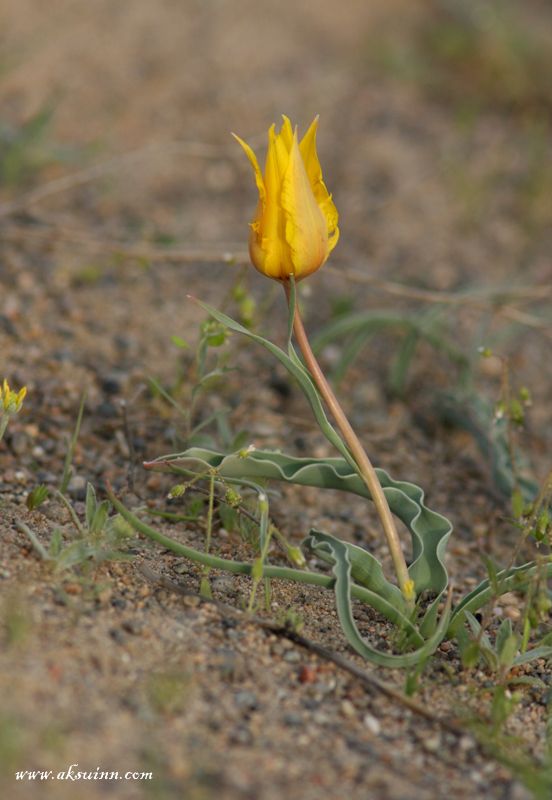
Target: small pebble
{"points": [[466, 743], [372, 724], [432, 743], [348, 709], [292, 657], [246, 700], [77, 487], [307, 674], [112, 383]]}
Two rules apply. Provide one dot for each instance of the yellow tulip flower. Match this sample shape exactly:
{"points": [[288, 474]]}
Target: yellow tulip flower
{"points": [[295, 225]]}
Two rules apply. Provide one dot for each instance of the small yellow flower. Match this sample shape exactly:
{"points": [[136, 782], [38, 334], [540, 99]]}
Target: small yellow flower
{"points": [[295, 225], [10, 404], [10, 401]]}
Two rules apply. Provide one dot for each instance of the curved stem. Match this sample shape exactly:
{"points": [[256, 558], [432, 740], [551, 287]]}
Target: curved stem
{"points": [[365, 468]]}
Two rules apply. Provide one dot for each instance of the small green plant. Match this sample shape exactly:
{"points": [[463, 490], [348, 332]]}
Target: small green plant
{"points": [[501, 656], [99, 538], [37, 496], [291, 618], [208, 367]]}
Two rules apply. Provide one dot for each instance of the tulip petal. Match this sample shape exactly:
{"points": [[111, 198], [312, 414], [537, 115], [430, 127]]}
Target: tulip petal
{"points": [[314, 171], [256, 169], [286, 132], [277, 260], [305, 229]]}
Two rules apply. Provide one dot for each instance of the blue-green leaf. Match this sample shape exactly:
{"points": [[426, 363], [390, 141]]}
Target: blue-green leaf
{"points": [[429, 531]]}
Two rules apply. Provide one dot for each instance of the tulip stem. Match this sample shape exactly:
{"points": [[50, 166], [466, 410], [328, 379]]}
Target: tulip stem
{"points": [[364, 465]]}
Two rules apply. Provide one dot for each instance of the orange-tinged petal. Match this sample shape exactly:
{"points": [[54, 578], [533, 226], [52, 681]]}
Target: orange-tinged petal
{"points": [[305, 230]]}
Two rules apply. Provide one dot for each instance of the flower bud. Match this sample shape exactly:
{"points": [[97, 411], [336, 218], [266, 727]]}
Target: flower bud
{"points": [[295, 225]]}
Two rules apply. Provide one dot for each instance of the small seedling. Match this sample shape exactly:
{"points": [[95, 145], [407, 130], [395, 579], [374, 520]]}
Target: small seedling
{"points": [[100, 538], [37, 496]]}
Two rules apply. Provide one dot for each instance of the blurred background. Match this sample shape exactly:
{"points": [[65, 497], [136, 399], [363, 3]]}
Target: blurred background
{"points": [[434, 132]]}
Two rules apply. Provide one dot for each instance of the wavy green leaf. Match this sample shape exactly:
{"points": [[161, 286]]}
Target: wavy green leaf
{"points": [[365, 569], [429, 531], [342, 570]]}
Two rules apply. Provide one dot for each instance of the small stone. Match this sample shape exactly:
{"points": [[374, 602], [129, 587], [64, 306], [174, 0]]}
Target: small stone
{"points": [[307, 674], [292, 719], [246, 700], [466, 743], [77, 487], [112, 383], [512, 612], [372, 724], [432, 743], [348, 709], [292, 657]]}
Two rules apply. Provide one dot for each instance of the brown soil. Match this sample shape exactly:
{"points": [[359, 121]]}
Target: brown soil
{"points": [[107, 668]]}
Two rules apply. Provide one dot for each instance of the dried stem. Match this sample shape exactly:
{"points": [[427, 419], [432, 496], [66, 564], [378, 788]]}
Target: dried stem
{"points": [[365, 468]]}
